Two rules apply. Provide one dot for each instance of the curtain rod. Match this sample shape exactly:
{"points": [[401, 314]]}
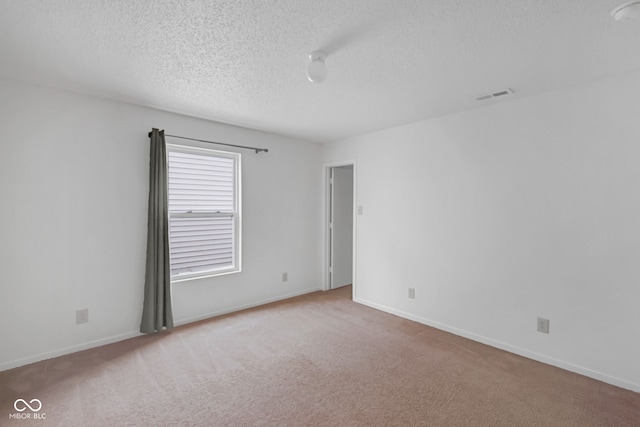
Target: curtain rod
{"points": [[257, 150]]}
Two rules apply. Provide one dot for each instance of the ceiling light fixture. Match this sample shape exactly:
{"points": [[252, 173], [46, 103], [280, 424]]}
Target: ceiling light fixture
{"points": [[317, 70], [626, 11]]}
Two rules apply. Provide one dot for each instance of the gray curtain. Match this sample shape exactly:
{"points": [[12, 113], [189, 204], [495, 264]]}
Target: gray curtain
{"points": [[156, 310]]}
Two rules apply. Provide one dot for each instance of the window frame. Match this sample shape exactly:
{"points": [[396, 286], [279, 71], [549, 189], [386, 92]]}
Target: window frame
{"points": [[236, 266]]}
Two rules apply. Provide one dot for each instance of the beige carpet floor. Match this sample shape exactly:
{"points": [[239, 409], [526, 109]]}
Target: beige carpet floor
{"points": [[315, 360]]}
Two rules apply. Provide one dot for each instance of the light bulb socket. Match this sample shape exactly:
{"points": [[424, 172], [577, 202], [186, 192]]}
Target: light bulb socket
{"points": [[317, 55]]}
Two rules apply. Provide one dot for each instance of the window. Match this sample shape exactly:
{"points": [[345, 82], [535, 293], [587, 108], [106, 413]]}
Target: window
{"points": [[204, 212]]}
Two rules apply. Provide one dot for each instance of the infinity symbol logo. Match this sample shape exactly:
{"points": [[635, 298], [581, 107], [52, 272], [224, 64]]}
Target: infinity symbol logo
{"points": [[26, 405]]}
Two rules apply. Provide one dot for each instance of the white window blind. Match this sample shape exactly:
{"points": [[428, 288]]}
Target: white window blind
{"points": [[203, 212]]}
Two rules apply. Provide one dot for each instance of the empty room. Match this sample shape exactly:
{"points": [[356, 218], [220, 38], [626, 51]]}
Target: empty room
{"points": [[319, 213]]}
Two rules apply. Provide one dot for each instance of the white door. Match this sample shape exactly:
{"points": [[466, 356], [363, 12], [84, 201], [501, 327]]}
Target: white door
{"points": [[341, 227]]}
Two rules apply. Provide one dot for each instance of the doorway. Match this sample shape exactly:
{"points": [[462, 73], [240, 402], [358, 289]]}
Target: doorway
{"points": [[340, 225]]}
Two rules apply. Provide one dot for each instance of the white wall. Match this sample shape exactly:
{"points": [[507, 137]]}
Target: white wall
{"points": [[73, 197], [501, 214]]}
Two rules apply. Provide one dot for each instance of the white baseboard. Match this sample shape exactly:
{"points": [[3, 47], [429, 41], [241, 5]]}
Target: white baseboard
{"points": [[243, 307], [109, 340], [66, 350], [507, 347]]}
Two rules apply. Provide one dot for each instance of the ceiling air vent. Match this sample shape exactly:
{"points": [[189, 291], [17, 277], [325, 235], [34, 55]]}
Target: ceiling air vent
{"points": [[495, 94]]}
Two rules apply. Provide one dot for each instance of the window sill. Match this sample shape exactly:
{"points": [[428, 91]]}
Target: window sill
{"points": [[202, 275]]}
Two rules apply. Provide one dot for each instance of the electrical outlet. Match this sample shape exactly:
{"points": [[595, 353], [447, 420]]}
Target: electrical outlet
{"points": [[360, 210], [285, 277], [82, 316], [412, 293], [543, 325]]}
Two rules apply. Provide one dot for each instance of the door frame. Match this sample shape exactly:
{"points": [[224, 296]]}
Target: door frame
{"points": [[326, 285]]}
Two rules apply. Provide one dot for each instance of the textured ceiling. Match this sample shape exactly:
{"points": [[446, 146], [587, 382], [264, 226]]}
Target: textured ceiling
{"points": [[243, 61]]}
